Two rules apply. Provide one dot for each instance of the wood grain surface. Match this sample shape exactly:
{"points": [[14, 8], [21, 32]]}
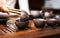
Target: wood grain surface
{"points": [[30, 33]]}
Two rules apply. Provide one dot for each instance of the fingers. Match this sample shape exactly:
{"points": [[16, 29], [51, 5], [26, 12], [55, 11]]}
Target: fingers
{"points": [[7, 12], [4, 6], [4, 9]]}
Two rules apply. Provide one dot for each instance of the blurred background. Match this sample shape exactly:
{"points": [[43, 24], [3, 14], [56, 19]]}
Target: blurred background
{"points": [[39, 4]]}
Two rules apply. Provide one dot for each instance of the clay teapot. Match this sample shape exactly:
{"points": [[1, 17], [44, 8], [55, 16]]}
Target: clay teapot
{"points": [[48, 13], [24, 16]]}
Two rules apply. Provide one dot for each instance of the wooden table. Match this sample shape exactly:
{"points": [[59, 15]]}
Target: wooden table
{"points": [[32, 33]]}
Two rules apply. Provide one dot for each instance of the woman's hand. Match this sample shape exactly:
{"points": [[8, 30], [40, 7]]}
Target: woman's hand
{"points": [[3, 6]]}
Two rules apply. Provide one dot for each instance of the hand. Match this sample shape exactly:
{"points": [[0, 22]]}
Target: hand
{"points": [[4, 9], [3, 6]]}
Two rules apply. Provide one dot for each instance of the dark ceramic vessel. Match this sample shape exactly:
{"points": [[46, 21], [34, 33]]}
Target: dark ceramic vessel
{"points": [[58, 19], [24, 16], [39, 23], [48, 15], [3, 19], [36, 14], [21, 24], [52, 22]]}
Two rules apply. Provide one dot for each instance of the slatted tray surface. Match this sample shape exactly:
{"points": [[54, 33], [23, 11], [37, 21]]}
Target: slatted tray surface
{"points": [[4, 29]]}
